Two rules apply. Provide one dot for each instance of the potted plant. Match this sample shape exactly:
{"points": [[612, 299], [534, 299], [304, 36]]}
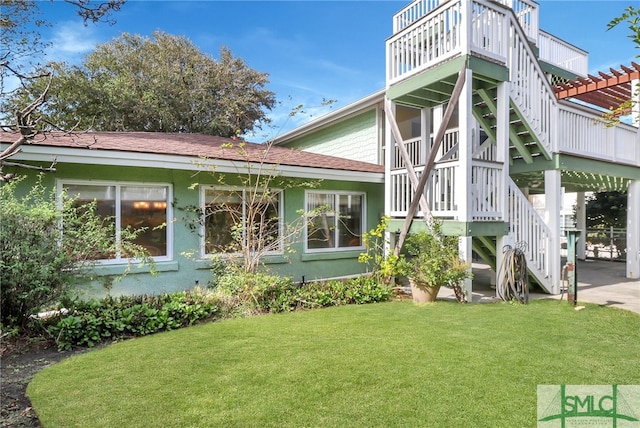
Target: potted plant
{"points": [[433, 261]]}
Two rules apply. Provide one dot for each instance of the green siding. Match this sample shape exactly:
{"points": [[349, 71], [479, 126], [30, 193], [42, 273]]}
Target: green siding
{"points": [[182, 272], [354, 138]]}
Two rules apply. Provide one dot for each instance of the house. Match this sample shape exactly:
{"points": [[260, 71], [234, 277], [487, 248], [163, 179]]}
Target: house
{"points": [[161, 181], [494, 110]]}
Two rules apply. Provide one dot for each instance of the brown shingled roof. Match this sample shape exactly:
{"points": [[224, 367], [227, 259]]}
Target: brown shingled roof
{"points": [[200, 145]]}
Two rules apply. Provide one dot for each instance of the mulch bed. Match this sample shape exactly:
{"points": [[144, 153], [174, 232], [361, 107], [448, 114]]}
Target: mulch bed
{"points": [[21, 358]]}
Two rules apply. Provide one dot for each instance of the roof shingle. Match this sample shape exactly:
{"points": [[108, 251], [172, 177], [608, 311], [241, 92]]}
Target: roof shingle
{"points": [[200, 145]]}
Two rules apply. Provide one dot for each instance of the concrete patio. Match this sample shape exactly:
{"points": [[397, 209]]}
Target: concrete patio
{"points": [[600, 282]]}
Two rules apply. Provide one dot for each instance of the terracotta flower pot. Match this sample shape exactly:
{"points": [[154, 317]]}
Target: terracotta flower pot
{"points": [[423, 294]]}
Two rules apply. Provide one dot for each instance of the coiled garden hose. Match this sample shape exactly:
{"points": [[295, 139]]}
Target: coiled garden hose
{"points": [[512, 281]]}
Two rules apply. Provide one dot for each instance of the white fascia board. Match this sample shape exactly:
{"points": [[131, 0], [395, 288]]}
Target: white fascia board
{"points": [[348, 110], [186, 163]]}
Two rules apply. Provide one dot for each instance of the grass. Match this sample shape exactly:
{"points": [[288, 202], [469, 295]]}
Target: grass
{"points": [[390, 364]]}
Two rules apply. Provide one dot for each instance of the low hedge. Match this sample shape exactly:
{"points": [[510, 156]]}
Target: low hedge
{"points": [[88, 323]]}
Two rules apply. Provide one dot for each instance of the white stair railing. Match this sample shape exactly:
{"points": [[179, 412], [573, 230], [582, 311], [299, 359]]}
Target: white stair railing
{"points": [[530, 90], [526, 225]]}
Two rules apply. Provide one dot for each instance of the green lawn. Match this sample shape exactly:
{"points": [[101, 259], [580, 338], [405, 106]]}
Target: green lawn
{"points": [[378, 365]]}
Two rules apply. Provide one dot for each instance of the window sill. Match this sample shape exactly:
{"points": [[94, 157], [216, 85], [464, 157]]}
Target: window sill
{"points": [[119, 269], [268, 260], [331, 255]]}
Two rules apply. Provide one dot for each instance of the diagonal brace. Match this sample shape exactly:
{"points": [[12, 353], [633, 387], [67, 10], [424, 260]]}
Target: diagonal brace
{"points": [[457, 90], [411, 172]]}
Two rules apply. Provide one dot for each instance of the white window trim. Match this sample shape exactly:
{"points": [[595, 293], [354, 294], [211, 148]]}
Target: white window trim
{"points": [[334, 193], [203, 202], [118, 184]]}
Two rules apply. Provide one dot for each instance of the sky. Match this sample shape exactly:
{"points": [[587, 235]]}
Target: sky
{"points": [[314, 50]]}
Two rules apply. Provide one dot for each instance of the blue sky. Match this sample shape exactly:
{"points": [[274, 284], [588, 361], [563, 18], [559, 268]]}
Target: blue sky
{"points": [[314, 50]]}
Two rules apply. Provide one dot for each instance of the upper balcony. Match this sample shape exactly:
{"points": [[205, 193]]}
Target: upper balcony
{"points": [[562, 54], [429, 32]]}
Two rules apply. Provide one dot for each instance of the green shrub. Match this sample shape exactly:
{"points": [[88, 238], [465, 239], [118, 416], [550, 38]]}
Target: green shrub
{"points": [[38, 263], [260, 292], [91, 322]]}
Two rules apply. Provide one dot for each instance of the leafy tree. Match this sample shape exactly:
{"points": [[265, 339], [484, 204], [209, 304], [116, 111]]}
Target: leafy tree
{"points": [[631, 16], [164, 84], [21, 49], [606, 209]]}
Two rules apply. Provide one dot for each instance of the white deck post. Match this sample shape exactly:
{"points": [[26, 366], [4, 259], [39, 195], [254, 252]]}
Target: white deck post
{"points": [[502, 155], [389, 155], [633, 199], [581, 224], [425, 133], [553, 195], [463, 174], [633, 230]]}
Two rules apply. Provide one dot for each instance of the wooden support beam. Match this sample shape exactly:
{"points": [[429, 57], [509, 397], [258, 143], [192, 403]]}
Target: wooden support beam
{"points": [[413, 177], [457, 90]]}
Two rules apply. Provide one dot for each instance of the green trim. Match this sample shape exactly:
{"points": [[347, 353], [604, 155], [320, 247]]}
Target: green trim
{"points": [[486, 126], [105, 270], [484, 68], [435, 81], [566, 162], [574, 163], [332, 255], [267, 260], [426, 78], [456, 228], [557, 71], [539, 164]]}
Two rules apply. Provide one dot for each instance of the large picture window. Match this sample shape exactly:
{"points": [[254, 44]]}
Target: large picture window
{"points": [[237, 219], [339, 221], [141, 207]]}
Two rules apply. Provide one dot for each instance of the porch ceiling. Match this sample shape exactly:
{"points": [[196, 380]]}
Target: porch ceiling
{"points": [[573, 181], [577, 174], [607, 91], [434, 86]]}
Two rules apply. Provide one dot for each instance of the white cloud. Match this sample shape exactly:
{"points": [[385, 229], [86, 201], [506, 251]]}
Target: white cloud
{"points": [[71, 40]]}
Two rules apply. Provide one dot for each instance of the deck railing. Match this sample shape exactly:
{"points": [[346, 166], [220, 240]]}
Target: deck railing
{"points": [[585, 134], [487, 190], [418, 155], [412, 13], [526, 226], [525, 10], [562, 54], [441, 189], [433, 38]]}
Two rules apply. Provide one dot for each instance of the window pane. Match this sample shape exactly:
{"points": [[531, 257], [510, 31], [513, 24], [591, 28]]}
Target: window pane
{"points": [[103, 195], [146, 207], [105, 199], [222, 211], [321, 228], [350, 221], [262, 217]]}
